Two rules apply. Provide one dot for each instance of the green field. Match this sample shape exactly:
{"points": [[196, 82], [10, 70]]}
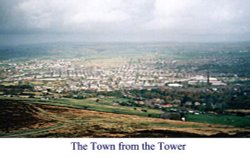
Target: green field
{"points": [[230, 120]]}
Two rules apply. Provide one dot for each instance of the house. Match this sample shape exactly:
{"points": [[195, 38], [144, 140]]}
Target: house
{"points": [[188, 103], [168, 105], [197, 103], [176, 102], [174, 85]]}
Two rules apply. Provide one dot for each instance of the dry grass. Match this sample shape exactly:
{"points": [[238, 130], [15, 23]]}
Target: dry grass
{"points": [[70, 122]]}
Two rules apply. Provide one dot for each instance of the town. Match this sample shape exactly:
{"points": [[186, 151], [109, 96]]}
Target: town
{"points": [[78, 74], [184, 86]]}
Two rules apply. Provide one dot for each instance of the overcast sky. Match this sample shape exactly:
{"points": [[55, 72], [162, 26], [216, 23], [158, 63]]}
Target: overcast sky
{"points": [[24, 21]]}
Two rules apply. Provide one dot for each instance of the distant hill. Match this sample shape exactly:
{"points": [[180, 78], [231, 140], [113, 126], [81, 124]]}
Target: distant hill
{"points": [[70, 50]]}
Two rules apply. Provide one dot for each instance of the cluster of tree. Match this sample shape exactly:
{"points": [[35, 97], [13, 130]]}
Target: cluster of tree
{"points": [[16, 90], [199, 99]]}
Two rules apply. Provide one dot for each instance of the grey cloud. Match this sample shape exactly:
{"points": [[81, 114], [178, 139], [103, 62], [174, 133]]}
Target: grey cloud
{"points": [[149, 20]]}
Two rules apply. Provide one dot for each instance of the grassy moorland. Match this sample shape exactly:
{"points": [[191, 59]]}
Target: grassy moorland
{"points": [[108, 105], [24, 117], [104, 105]]}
